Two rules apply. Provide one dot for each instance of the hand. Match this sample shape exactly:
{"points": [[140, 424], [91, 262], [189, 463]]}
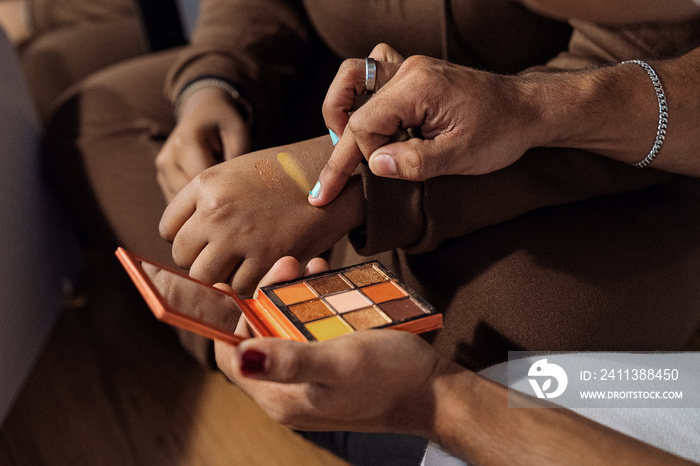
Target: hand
{"points": [[285, 269], [234, 220], [347, 91], [210, 130], [472, 122], [374, 380], [345, 95]]}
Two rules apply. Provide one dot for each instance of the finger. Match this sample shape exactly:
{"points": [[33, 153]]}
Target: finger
{"points": [[286, 268], [170, 177], [180, 209], [248, 274], [385, 115], [316, 265], [195, 160], [168, 192], [347, 86], [214, 263], [226, 356], [243, 329], [341, 165], [286, 361], [340, 97], [235, 137], [188, 243], [415, 159], [384, 52]]}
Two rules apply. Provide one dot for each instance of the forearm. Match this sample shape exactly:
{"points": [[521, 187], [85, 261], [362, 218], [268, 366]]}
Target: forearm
{"points": [[616, 12], [614, 112], [473, 420]]}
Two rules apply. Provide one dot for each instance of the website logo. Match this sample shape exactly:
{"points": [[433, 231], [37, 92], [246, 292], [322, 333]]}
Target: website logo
{"points": [[546, 372]]}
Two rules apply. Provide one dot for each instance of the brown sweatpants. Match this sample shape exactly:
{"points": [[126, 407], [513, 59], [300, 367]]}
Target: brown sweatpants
{"points": [[72, 39], [611, 273]]}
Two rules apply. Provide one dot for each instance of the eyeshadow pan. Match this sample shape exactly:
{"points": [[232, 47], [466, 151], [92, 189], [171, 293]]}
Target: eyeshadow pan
{"points": [[401, 309], [294, 293], [328, 328], [368, 317], [363, 276], [383, 292], [310, 310], [329, 284], [348, 301]]}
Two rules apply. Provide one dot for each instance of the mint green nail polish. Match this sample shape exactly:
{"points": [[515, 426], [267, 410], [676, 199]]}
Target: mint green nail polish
{"points": [[316, 191], [334, 137]]}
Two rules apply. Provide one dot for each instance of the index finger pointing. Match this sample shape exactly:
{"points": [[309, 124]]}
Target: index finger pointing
{"points": [[180, 209], [341, 165]]}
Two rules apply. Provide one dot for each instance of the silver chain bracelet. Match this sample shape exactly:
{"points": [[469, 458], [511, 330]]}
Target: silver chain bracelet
{"points": [[663, 113]]}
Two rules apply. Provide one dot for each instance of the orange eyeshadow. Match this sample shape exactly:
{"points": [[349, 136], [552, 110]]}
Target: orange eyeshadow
{"points": [[363, 276], [310, 310], [294, 293], [366, 318], [383, 292]]}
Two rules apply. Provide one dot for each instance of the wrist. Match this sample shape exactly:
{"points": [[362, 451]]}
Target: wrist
{"points": [[453, 392], [557, 100], [239, 102], [598, 110]]}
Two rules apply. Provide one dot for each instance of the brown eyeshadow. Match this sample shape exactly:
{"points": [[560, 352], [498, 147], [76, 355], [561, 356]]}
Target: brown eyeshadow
{"points": [[363, 276], [401, 309], [329, 284], [310, 310], [366, 318]]}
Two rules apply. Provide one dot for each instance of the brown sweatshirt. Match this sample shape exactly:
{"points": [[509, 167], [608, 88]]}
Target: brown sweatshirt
{"points": [[261, 45]]}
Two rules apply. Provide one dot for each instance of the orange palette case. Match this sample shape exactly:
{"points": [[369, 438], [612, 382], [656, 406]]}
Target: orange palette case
{"points": [[313, 308]]}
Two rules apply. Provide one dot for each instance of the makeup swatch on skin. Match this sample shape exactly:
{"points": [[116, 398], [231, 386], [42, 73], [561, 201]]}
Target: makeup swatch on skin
{"points": [[355, 298], [291, 168], [269, 173]]}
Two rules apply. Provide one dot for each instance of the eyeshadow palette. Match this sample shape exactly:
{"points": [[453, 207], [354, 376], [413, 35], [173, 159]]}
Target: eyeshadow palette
{"points": [[313, 308], [342, 301]]}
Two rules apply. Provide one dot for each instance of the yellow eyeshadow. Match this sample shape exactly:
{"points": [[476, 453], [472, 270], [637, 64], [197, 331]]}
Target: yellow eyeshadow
{"points": [[292, 169], [326, 329]]}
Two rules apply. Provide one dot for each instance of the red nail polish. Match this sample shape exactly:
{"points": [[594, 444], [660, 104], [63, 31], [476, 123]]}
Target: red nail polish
{"points": [[252, 362]]}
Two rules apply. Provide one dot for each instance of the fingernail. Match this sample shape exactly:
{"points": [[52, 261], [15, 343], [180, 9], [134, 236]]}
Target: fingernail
{"points": [[252, 362], [334, 137], [382, 164], [316, 191]]}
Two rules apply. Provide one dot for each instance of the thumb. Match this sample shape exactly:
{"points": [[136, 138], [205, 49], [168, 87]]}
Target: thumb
{"points": [[414, 159], [281, 361]]}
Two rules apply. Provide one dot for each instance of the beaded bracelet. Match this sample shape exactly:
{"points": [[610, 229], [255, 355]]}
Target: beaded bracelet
{"points": [[663, 113]]}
